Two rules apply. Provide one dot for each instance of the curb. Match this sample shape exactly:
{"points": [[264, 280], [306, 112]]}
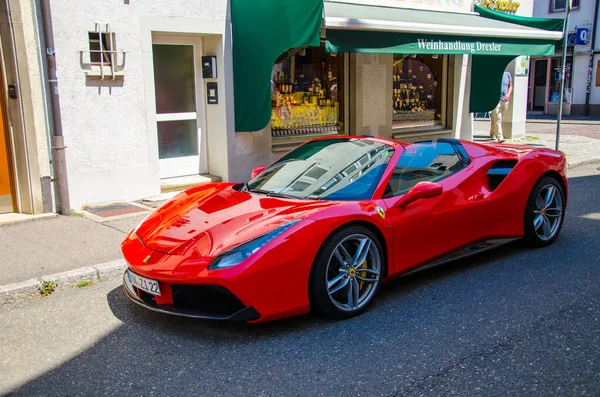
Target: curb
{"points": [[15, 292], [21, 218], [583, 162], [554, 121]]}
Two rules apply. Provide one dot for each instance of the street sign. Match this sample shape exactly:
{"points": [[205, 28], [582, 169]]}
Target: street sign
{"points": [[582, 36]]}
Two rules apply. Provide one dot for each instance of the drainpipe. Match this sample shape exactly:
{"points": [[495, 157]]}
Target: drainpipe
{"points": [[60, 165], [591, 65]]}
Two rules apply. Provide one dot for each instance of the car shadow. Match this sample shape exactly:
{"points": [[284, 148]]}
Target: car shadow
{"points": [[395, 289], [131, 313]]}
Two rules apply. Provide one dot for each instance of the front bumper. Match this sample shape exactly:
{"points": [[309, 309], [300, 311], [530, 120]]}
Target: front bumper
{"points": [[195, 301]]}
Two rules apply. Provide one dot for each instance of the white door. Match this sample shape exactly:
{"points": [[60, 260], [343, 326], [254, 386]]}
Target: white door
{"points": [[180, 119]]}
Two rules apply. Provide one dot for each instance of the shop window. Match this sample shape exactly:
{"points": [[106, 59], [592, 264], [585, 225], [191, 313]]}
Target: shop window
{"points": [[419, 84], [307, 93], [555, 80]]}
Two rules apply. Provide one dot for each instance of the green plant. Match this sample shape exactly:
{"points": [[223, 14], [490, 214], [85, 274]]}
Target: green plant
{"points": [[47, 287], [74, 213], [532, 138], [84, 284]]}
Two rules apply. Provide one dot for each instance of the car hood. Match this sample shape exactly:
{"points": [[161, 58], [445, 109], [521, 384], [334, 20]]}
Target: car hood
{"points": [[207, 220]]}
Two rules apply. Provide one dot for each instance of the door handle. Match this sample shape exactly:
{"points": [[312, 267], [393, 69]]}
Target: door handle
{"points": [[479, 196]]}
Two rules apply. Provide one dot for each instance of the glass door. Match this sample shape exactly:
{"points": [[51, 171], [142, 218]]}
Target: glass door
{"points": [[179, 106]]}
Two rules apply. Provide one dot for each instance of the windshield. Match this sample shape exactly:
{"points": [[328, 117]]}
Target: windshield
{"points": [[333, 169]]}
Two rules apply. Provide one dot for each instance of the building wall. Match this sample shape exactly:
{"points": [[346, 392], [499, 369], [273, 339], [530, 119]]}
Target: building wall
{"points": [[371, 94], [110, 126]]}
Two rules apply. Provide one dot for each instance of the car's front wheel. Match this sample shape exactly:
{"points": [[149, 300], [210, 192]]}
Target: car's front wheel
{"points": [[544, 212], [347, 272]]}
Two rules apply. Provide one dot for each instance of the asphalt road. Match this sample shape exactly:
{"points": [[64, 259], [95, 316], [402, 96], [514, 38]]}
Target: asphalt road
{"points": [[514, 322]]}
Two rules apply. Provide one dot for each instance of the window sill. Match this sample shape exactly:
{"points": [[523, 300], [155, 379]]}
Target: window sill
{"points": [[97, 72], [416, 128], [287, 143], [414, 135]]}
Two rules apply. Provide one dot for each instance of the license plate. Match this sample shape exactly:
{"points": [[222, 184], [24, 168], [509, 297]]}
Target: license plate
{"points": [[143, 283]]}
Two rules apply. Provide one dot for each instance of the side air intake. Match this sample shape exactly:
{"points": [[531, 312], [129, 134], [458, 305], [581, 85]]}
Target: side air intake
{"points": [[499, 171]]}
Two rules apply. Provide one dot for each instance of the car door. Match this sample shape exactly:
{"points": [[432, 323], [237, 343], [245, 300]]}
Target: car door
{"points": [[429, 228]]}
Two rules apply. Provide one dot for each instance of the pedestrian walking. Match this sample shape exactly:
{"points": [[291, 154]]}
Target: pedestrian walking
{"points": [[500, 110]]}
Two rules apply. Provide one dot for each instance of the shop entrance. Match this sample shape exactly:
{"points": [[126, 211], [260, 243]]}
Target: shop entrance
{"points": [[540, 81], [6, 199], [179, 105]]}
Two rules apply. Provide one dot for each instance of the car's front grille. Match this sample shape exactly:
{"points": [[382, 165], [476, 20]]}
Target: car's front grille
{"points": [[206, 298]]}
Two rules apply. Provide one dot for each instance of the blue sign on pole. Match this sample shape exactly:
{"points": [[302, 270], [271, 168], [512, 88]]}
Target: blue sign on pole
{"points": [[582, 36]]}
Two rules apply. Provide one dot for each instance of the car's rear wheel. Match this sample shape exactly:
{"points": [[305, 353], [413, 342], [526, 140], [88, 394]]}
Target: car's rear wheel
{"points": [[347, 272], [544, 213]]}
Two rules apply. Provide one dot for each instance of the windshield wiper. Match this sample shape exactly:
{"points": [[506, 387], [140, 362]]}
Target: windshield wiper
{"points": [[271, 193], [281, 195]]}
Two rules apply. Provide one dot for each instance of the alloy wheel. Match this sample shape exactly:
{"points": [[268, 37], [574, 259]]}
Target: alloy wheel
{"points": [[353, 272], [548, 212]]}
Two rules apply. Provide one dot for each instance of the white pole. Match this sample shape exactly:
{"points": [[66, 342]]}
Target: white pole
{"points": [[562, 74]]}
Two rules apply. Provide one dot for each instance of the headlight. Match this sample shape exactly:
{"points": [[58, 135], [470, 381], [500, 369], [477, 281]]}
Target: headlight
{"points": [[236, 255]]}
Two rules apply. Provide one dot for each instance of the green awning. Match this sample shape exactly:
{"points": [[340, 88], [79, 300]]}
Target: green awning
{"points": [[493, 39], [261, 31], [376, 42], [390, 30]]}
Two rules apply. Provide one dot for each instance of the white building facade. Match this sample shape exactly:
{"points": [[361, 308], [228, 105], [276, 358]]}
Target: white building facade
{"points": [[147, 94], [582, 78]]}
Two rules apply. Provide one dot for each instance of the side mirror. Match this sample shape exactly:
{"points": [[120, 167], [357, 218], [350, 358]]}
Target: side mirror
{"points": [[257, 171], [421, 190]]}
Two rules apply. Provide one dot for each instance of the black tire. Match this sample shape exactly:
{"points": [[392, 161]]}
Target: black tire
{"points": [[320, 299], [533, 237]]}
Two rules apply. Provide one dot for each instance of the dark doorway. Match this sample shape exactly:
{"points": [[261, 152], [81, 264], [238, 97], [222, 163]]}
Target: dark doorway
{"points": [[540, 79]]}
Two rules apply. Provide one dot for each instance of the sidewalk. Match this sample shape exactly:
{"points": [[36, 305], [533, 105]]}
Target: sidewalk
{"points": [[64, 252], [580, 143]]}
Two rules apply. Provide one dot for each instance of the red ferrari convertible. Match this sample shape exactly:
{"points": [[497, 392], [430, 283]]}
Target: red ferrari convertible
{"points": [[326, 224]]}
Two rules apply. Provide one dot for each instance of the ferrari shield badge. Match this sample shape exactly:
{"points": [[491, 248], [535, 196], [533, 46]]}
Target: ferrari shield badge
{"points": [[146, 259], [380, 211]]}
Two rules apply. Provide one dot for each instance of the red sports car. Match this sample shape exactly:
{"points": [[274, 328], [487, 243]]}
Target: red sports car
{"points": [[330, 221]]}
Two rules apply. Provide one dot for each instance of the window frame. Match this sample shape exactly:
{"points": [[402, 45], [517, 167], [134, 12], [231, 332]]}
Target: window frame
{"points": [[444, 98], [573, 7], [280, 136]]}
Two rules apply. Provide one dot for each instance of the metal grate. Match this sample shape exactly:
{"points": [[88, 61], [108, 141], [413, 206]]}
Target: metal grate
{"points": [[108, 211]]}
